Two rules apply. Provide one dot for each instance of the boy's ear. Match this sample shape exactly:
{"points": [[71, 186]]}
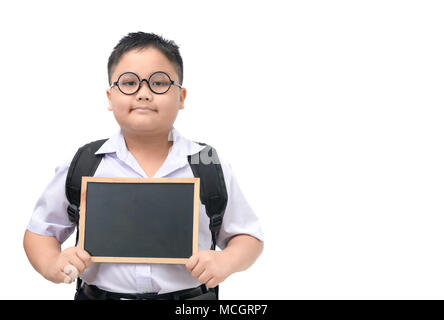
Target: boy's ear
{"points": [[183, 95], [108, 95]]}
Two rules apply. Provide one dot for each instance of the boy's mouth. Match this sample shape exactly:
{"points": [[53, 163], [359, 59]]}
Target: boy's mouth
{"points": [[144, 109]]}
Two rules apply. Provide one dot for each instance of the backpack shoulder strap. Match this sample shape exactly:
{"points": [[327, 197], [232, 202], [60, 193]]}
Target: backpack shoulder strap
{"points": [[213, 192], [84, 163]]}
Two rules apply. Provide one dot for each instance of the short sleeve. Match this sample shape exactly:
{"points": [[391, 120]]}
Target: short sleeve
{"points": [[50, 217], [239, 217]]}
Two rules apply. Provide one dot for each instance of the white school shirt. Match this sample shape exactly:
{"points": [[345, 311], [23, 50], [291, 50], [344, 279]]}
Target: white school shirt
{"points": [[50, 217]]}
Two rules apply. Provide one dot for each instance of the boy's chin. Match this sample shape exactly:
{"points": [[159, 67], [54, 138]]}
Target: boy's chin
{"points": [[146, 128]]}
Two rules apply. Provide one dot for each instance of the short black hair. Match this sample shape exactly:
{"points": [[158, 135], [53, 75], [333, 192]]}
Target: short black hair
{"points": [[142, 40]]}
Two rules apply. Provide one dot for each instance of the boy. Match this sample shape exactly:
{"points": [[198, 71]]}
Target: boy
{"points": [[145, 73]]}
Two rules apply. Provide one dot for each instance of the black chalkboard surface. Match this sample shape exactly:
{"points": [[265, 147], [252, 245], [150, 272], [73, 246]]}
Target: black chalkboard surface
{"points": [[139, 220]]}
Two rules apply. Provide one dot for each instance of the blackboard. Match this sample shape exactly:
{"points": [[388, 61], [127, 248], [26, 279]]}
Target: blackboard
{"points": [[139, 220]]}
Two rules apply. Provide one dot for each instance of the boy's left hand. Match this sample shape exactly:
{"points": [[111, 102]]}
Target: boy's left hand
{"points": [[209, 267]]}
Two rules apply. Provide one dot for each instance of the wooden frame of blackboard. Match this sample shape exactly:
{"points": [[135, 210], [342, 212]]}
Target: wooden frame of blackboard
{"points": [[82, 220]]}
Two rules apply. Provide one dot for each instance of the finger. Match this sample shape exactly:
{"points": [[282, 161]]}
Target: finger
{"points": [[204, 277], [71, 271], [67, 280], [211, 283], [198, 270], [64, 278], [85, 257], [192, 262], [78, 263]]}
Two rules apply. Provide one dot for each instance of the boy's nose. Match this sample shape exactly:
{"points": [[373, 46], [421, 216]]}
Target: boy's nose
{"points": [[144, 91]]}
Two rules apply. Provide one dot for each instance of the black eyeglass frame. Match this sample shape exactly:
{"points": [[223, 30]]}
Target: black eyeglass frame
{"points": [[116, 83]]}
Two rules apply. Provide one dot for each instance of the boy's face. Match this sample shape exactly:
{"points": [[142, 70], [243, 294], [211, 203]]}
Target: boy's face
{"points": [[162, 108]]}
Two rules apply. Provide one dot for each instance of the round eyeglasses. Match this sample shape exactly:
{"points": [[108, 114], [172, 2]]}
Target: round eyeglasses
{"points": [[159, 82]]}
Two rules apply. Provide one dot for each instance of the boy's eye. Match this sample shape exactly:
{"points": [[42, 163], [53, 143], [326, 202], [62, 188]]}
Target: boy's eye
{"points": [[160, 83], [128, 83]]}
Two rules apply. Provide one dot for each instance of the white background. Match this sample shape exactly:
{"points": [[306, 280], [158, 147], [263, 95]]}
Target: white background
{"points": [[330, 112]]}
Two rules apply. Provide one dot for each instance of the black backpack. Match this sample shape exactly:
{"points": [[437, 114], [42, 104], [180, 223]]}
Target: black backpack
{"points": [[213, 192]]}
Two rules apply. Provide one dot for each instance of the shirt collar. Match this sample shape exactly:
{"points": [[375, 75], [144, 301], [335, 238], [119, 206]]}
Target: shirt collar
{"points": [[177, 158]]}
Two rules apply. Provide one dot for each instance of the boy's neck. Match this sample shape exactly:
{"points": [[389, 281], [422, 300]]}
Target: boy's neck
{"points": [[151, 144]]}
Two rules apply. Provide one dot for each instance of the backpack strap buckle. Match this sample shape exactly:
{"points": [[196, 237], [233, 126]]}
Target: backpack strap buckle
{"points": [[73, 213], [215, 222]]}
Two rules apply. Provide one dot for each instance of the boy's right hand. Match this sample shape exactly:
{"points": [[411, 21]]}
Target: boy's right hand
{"points": [[61, 270]]}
